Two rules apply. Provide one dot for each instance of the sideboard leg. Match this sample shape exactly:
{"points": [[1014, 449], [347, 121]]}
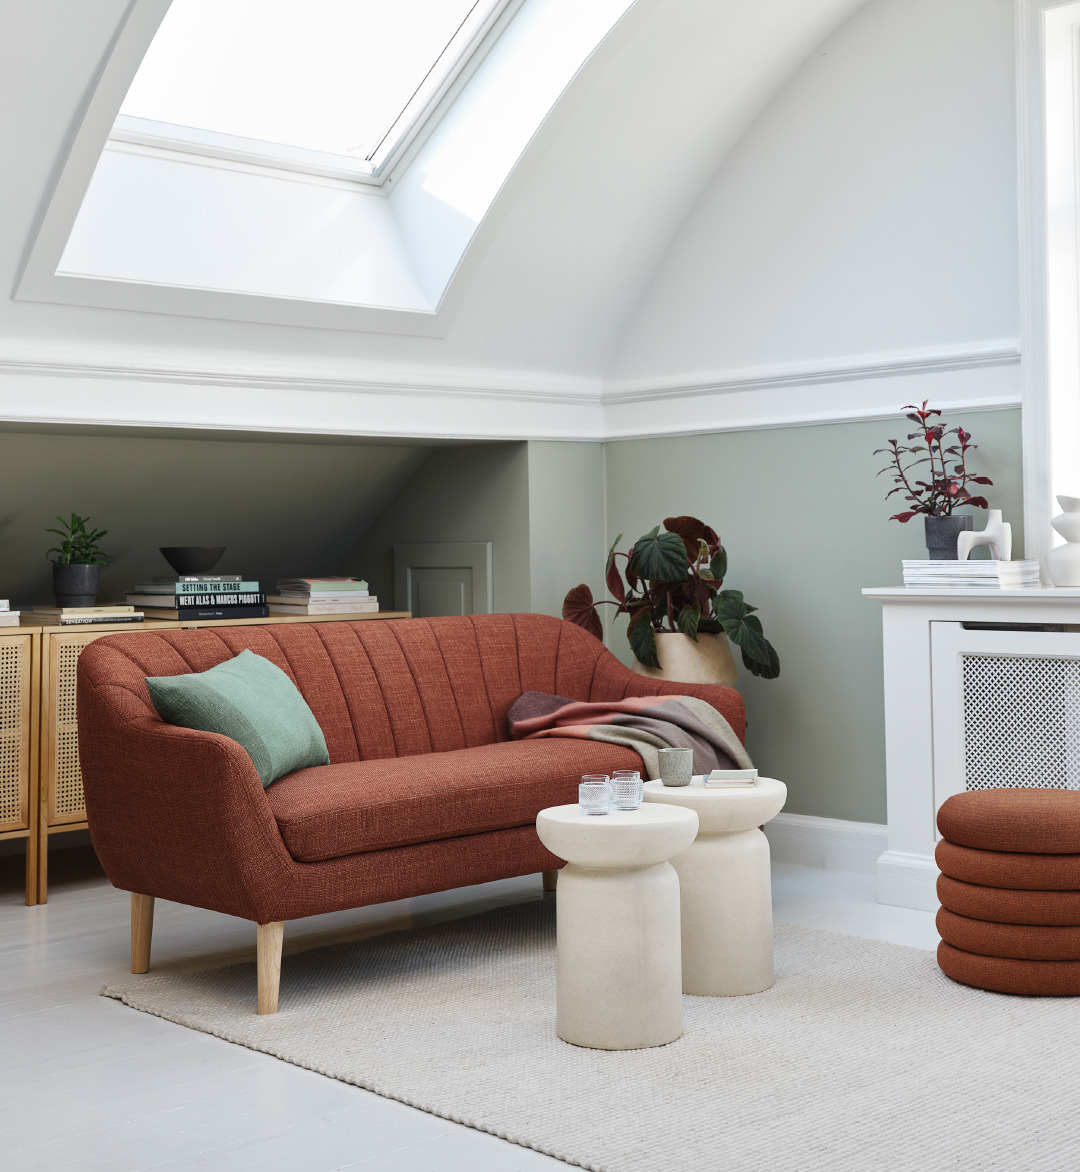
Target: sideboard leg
{"points": [[142, 928], [269, 938], [551, 878]]}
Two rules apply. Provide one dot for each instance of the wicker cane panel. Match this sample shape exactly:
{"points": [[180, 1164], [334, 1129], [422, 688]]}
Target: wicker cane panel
{"points": [[14, 697], [68, 803], [1021, 722]]}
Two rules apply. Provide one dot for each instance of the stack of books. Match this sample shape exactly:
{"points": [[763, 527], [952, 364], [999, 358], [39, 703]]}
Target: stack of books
{"points": [[731, 779], [343, 596], [85, 616], [200, 596], [992, 575], [8, 617]]}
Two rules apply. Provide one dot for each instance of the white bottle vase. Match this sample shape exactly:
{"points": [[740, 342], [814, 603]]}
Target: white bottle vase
{"points": [[1063, 561]]}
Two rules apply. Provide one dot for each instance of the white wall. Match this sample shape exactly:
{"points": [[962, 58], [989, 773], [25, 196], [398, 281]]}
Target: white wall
{"points": [[868, 217]]}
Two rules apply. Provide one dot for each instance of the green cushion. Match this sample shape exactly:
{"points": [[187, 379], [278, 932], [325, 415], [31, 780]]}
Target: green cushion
{"points": [[251, 700]]}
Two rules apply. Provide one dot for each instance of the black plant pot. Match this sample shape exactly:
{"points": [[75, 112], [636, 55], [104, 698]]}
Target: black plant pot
{"points": [[75, 585], [941, 535]]}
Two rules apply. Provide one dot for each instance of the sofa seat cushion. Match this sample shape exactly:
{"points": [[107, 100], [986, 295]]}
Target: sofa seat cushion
{"points": [[333, 810]]}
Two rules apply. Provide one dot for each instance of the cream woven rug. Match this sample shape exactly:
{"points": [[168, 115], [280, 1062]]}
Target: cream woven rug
{"points": [[862, 1057]]}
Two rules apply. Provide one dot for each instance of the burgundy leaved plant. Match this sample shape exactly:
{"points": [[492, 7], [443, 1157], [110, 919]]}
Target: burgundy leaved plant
{"points": [[944, 471], [672, 581]]}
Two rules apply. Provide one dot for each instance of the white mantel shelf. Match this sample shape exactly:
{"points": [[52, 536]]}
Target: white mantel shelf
{"points": [[1035, 595]]}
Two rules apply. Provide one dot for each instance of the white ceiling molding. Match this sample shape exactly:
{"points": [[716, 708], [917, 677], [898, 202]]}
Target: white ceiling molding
{"points": [[475, 404]]}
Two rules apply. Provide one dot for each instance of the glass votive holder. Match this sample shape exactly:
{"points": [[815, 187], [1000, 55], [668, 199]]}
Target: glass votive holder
{"points": [[594, 793], [628, 790]]}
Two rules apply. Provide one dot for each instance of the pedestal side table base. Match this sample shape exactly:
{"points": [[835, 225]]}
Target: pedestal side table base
{"points": [[727, 935], [619, 975]]}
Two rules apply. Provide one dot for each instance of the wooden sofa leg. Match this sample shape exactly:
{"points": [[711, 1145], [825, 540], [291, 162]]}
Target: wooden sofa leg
{"points": [[142, 928], [269, 964], [551, 878]]}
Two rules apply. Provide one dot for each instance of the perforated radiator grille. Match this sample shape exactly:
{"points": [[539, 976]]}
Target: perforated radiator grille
{"points": [[1021, 722]]}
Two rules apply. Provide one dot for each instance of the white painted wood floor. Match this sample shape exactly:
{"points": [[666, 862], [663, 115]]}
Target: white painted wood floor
{"points": [[88, 1083]]}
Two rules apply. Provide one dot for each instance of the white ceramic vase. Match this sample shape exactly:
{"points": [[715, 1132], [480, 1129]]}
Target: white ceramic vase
{"points": [[1063, 561], [708, 661]]}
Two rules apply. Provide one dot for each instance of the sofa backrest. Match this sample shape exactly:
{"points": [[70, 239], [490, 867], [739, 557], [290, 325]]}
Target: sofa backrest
{"points": [[382, 688]]}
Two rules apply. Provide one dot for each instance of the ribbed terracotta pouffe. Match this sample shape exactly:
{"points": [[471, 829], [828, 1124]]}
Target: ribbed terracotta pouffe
{"points": [[1010, 890]]}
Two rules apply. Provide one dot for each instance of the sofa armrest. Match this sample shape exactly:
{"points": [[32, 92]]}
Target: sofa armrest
{"points": [[175, 812], [613, 680]]}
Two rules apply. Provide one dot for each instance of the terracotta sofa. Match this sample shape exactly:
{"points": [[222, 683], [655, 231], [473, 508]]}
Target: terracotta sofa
{"points": [[425, 791]]}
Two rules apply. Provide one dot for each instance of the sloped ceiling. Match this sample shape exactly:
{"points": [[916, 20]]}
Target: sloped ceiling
{"points": [[566, 253]]}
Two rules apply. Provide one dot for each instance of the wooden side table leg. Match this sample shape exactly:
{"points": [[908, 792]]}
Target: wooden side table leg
{"points": [[142, 929], [268, 964]]}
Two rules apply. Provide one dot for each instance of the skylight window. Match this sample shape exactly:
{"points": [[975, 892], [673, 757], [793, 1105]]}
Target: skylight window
{"points": [[299, 79]]}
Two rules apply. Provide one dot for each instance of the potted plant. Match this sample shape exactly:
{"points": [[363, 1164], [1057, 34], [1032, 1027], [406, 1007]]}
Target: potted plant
{"points": [[944, 484], [75, 568], [681, 618]]}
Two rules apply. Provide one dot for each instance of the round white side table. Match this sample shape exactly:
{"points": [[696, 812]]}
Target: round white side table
{"points": [[727, 942], [619, 956]]}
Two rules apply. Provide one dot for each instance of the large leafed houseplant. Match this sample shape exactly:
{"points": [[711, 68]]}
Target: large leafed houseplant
{"points": [[671, 583]]}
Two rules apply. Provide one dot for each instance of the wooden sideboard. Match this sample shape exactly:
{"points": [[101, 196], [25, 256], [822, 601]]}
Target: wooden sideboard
{"points": [[40, 779]]}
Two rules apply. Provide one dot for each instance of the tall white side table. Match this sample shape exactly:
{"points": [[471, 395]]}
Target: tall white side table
{"points": [[727, 942], [619, 966]]}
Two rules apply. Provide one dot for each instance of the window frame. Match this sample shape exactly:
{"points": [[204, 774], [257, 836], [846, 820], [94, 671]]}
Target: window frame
{"points": [[416, 119]]}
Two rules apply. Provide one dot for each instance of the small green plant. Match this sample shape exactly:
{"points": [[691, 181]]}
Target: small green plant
{"points": [[80, 546]]}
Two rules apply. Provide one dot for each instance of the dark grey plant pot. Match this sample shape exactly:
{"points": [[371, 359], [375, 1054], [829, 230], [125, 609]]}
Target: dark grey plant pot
{"points": [[75, 585], [941, 535]]}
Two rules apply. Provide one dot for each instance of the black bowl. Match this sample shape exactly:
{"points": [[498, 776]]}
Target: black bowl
{"points": [[192, 559]]}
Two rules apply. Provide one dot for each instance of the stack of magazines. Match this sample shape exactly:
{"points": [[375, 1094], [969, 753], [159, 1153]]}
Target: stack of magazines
{"points": [[85, 616], [326, 596], [990, 575], [8, 617]]}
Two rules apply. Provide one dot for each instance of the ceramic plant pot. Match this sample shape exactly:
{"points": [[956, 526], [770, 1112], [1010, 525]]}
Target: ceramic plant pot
{"points": [[75, 585], [941, 535], [1063, 561], [708, 661]]}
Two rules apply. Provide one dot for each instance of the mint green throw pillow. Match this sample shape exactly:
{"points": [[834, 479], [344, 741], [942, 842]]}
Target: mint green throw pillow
{"points": [[251, 700]]}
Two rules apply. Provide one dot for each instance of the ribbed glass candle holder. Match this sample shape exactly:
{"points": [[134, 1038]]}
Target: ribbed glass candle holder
{"points": [[628, 790], [594, 793]]}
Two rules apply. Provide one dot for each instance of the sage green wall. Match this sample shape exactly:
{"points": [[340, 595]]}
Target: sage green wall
{"points": [[566, 520], [281, 507], [804, 522], [477, 492]]}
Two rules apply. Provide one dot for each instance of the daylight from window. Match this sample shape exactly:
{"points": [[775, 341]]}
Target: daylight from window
{"points": [[325, 75]]}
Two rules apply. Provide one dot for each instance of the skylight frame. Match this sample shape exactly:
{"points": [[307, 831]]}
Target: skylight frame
{"points": [[462, 54]]}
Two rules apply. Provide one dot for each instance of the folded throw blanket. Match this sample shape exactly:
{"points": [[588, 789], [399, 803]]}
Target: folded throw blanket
{"points": [[641, 723]]}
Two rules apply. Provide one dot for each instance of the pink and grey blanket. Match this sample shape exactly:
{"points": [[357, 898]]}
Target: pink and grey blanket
{"points": [[641, 723]]}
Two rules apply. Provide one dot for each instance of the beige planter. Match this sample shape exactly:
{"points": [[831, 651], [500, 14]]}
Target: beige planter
{"points": [[708, 661]]}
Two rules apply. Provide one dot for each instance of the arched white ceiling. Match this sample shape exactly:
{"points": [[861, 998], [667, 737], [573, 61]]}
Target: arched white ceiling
{"points": [[538, 306]]}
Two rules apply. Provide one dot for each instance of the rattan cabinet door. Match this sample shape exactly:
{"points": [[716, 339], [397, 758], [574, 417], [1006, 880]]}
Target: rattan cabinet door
{"points": [[61, 777], [16, 658]]}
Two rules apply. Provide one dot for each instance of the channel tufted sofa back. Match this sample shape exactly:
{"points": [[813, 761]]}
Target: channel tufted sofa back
{"points": [[389, 689]]}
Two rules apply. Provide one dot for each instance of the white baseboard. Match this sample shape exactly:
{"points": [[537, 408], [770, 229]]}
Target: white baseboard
{"points": [[831, 843], [906, 880]]}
